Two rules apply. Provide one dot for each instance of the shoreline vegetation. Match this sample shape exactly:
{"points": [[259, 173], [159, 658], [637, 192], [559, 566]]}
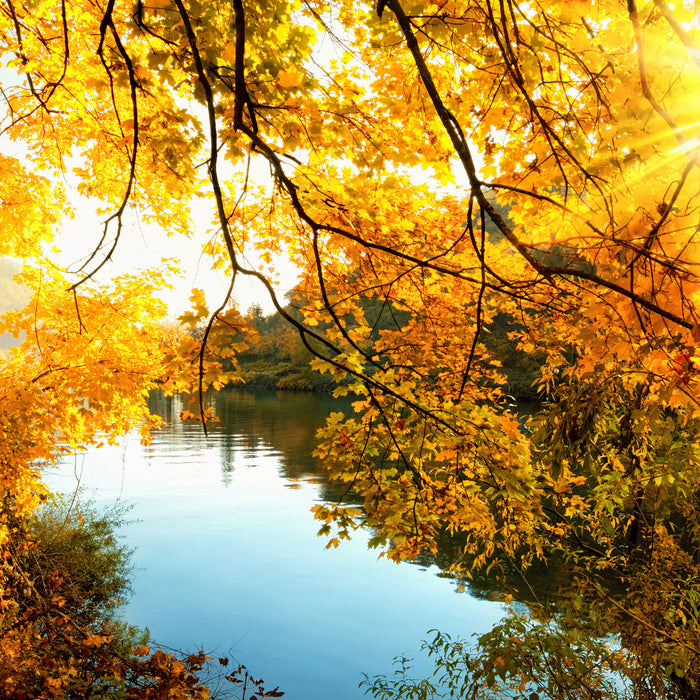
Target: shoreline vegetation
{"points": [[279, 360]]}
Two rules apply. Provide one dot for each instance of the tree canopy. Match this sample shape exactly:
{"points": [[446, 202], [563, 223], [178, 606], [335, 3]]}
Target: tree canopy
{"points": [[452, 164]]}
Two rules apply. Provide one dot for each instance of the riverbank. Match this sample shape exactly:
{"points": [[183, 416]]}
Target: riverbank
{"points": [[285, 376], [280, 361], [290, 376]]}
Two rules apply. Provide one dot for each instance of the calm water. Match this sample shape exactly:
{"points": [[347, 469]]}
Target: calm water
{"points": [[228, 558]]}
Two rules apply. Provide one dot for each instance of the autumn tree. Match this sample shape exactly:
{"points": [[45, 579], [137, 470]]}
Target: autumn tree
{"points": [[396, 137]]}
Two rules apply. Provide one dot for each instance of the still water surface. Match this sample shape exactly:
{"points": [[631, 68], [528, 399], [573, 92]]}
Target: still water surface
{"points": [[228, 559]]}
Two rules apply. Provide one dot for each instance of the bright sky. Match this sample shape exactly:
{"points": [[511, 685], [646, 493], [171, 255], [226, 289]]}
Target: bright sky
{"points": [[144, 246]]}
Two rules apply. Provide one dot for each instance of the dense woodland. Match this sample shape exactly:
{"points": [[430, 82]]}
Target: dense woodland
{"points": [[277, 358], [476, 195]]}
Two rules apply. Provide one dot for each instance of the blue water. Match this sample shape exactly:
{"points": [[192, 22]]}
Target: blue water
{"points": [[227, 557]]}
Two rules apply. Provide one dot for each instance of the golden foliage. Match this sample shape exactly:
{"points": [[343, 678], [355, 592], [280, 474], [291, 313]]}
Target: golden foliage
{"points": [[451, 164]]}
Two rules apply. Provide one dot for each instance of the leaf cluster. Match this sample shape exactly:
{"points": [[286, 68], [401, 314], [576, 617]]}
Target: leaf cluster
{"points": [[64, 574]]}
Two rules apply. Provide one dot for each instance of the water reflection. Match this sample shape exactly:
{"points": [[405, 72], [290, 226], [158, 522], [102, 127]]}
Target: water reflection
{"points": [[251, 422], [228, 558]]}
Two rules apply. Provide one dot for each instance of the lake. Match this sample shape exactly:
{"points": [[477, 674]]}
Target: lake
{"points": [[228, 558]]}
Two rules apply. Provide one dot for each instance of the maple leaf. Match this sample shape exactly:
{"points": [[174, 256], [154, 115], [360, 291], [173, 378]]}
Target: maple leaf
{"points": [[290, 78]]}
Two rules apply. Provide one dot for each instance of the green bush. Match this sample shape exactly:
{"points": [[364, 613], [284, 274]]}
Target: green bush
{"points": [[78, 543]]}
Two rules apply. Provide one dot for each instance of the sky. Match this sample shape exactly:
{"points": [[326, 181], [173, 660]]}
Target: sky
{"points": [[143, 246]]}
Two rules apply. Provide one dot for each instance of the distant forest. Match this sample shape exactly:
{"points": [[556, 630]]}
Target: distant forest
{"points": [[279, 359]]}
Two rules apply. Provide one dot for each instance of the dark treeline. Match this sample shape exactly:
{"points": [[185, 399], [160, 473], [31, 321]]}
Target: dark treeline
{"points": [[279, 360]]}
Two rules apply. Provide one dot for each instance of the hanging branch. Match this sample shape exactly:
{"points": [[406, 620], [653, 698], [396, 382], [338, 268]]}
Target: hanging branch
{"points": [[453, 129], [251, 131], [108, 24], [203, 349], [478, 322]]}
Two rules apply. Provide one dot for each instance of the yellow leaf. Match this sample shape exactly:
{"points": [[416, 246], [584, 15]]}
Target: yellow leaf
{"points": [[229, 54], [290, 79]]}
